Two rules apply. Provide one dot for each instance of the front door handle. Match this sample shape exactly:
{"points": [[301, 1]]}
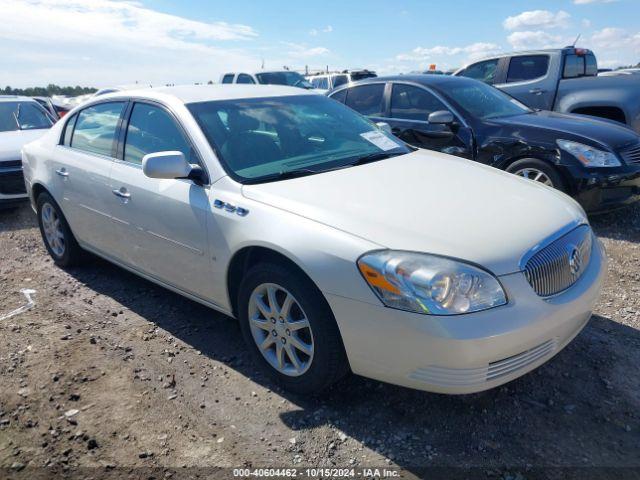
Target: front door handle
{"points": [[537, 91], [62, 172], [122, 193]]}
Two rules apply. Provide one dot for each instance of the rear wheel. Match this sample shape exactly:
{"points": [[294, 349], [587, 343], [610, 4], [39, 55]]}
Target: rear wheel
{"points": [[538, 171], [290, 329], [56, 234]]}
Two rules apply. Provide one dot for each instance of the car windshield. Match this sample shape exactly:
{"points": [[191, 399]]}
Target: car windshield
{"points": [[22, 116], [481, 100], [266, 139], [292, 79]]}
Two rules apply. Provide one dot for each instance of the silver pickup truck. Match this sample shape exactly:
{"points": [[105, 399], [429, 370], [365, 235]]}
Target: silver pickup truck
{"points": [[564, 80]]}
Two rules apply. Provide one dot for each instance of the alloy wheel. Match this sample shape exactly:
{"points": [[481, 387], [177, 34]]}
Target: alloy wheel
{"points": [[281, 329], [53, 229], [535, 175]]}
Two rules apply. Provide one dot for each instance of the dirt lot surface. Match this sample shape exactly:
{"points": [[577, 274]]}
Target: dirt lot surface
{"points": [[108, 372]]}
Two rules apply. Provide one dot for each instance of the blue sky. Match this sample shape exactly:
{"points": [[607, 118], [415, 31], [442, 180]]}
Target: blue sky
{"points": [[110, 42]]}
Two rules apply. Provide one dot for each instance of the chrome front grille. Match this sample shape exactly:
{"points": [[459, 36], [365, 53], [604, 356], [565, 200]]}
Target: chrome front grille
{"points": [[631, 154], [559, 265]]}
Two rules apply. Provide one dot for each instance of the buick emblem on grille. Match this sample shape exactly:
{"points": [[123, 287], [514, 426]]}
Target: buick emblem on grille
{"points": [[575, 259]]}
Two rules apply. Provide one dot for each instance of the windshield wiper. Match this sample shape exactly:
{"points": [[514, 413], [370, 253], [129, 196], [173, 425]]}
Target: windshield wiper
{"points": [[374, 157], [16, 115]]}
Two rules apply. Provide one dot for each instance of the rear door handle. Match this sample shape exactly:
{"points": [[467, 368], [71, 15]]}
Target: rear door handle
{"points": [[122, 193], [537, 91], [62, 172]]}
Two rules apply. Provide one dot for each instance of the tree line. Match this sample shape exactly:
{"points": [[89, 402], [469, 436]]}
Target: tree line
{"points": [[48, 91]]}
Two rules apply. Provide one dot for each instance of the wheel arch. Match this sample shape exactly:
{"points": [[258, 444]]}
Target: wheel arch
{"points": [[248, 256], [544, 158]]}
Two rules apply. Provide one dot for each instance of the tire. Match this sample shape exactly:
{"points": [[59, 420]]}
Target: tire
{"points": [[65, 252], [535, 167], [327, 363]]}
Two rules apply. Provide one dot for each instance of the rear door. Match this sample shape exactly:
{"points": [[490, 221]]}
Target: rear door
{"points": [[162, 223], [409, 110], [86, 156], [529, 80]]}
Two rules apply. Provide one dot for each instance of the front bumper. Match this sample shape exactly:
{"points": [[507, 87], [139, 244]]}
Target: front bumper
{"points": [[12, 186], [604, 189], [472, 352]]}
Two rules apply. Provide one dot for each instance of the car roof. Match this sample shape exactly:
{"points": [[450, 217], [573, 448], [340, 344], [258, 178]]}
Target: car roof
{"points": [[421, 78], [15, 98], [206, 93]]}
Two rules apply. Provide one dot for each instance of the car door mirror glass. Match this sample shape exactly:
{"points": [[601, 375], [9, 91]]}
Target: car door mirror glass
{"points": [[166, 165], [441, 117]]}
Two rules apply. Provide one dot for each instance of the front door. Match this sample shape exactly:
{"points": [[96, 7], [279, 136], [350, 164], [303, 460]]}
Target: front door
{"points": [[162, 223], [409, 111], [529, 81]]}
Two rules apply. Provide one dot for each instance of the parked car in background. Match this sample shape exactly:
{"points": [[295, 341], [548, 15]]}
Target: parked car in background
{"points": [[280, 207], [49, 106], [594, 160], [565, 80], [622, 71], [276, 77], [331, 80], [22, 120]]}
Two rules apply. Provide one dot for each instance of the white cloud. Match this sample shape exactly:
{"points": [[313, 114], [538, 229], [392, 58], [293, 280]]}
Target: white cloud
{"points": [[472, 52], [529, 40], [586, 23], [300, 52], [102, 42], [314, 31], [537, 19]]}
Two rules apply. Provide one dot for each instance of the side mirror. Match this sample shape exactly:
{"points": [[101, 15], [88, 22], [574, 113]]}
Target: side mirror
{"points": [[172, 165], [441, 117], [385, 127]]}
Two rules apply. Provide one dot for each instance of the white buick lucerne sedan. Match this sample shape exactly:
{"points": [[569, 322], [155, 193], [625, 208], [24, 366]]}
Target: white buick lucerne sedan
{"points": [[336, 246]]}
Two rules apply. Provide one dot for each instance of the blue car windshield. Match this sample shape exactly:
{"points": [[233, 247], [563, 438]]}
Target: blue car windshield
{"points": [[480, 100], [23, 116], [259, 139]]}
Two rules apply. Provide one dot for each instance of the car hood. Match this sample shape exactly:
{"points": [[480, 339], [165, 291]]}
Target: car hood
{"points": [[430, 202], [606, 132], [11, 143]]}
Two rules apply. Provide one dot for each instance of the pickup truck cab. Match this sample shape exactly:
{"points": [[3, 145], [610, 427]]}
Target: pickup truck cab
{"points": [[564, 80]]}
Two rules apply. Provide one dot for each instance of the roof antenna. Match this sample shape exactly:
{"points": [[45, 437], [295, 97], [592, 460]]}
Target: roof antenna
{"points": [[262, 67], [576, 40]]}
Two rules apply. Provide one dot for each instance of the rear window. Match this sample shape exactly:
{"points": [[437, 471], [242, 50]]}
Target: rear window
{"points": [[228, 78], [580, 65], [340, 80], [529, 67], [366, 99], [244, 78]]}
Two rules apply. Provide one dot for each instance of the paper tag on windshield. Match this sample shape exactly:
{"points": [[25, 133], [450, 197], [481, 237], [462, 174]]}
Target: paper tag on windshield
{"points": [[380, 140]]}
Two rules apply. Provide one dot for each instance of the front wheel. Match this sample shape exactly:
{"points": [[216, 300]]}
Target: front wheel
{"points": [[538, 171], [290, 329], [56, 234]]}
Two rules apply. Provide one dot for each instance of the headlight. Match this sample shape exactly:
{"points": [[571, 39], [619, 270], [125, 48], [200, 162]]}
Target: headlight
{"points": [[589, 156], [429, 284]]}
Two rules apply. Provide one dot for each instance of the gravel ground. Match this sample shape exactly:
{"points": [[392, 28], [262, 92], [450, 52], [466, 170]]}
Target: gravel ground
{"points": [[108, 372]]}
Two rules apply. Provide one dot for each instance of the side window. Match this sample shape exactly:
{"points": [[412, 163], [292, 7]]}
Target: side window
{"points": [[95, 129], [340, 96], [151, 129], [366, 99], [413, 103], [68, 130], [244, 78], [323, 83], [340, 80], [228, 78], [527, 67], [483, 71]]}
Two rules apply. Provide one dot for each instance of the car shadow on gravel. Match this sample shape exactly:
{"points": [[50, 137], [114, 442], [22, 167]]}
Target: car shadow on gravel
{"points": [[576, 410], [623, 224], [19, 218]]}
